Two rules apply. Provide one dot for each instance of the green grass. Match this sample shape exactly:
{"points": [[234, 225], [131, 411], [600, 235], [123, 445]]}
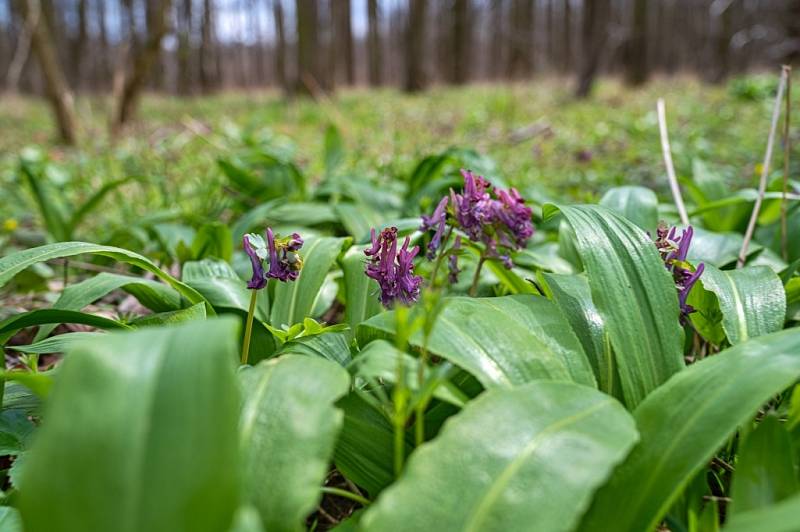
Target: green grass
{"points": [[583, 148]]}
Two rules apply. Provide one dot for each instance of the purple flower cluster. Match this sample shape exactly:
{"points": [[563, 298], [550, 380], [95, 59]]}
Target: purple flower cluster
{"points": [[393, 269], [281, 253], [674, 250], [502, 223]]}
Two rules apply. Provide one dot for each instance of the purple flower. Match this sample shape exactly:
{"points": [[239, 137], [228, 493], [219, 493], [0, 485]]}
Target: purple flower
{"points": [[435, 221], [512, 212], [674, 251], [284, 261], [256, 249], [393, 270]]}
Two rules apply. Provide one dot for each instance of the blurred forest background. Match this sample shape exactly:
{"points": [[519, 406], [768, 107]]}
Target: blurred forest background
{"points": [[57, 48]]}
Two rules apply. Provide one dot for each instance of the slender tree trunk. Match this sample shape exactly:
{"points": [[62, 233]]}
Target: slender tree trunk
{"points": [[103, 64], [636, 70], [722, 31], [415, 35], [461, 41], [520, 56], [22, 51], [208, 72], [308, 79], [374, 43], [594, 33], [58, 92], [280, 46], [344, 39], [184, 47], [792, 19], [496, 40], [143, 63], [566, 65], [78, 57]]}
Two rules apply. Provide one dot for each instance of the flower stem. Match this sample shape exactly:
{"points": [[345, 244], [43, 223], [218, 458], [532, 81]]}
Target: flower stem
{"points": [[363, 501], [474, 288], [248, 331], [441, 256]]}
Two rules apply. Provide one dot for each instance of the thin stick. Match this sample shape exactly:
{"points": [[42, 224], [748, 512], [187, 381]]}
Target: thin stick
{"points": [[363, 501], [787, 150], [248, 331], [762, 186], [673, 181]]}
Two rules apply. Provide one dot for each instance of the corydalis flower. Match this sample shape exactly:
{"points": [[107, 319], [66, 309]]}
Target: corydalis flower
{"points": [[674, 251], [281, 253], [393, 269], [437, 222], [452, 262]]}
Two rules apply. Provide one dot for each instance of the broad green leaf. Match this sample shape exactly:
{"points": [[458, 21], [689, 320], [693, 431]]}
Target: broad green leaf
{"points": [[15, 263], [294, 300], [502, 341], [634, 294], [752, 300], [357, 219], [528, 458], [637, 204], [147, 422], [94, 201], [765, 468], [332, 346], [334, 149], [156, 296], [48, 200], [781, 517], [685, 421], [364, 450], [287, 432], [55, 344], [246, 520], [510, 279], [15, 431], [572, 295], [10, 520], [217, 281], [195, 312], [717, 249], [39, 383], [280, 212], [10, 326], [213, 240], [361, 292]]}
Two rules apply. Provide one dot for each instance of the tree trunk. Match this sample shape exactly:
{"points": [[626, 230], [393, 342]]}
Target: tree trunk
{"points": [[374, 43], [344, 39], [79, 60], [496, 40], [415, 35], [208, 71], [103, 64], [722, 30], [184, 47], [520, 56], [461, 41], [792, 57], [22, 51], [566, 65], [143, 62], [280, 46], [308, 79], [594, 33], [636, 70], [58, 91]]}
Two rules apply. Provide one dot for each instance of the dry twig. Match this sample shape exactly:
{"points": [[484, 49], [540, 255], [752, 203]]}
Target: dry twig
{"points": [[673, 180]]}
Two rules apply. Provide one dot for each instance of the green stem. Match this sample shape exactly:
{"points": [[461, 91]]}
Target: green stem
{"points": [[248, 331], [443, 247], [399, 447], [474, 288], [363, 501]]}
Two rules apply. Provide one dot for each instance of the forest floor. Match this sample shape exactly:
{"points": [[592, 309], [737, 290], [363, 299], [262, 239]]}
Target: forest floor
{"points": [[537, 135]]}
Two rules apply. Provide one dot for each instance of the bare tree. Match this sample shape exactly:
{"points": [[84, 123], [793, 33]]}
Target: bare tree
{"points": [[460, 42], [308, 78], [207, 70], [184, 47], [415, 34], [58, 91], [22, 51], [143, 62], [280, 45], [496, 39], [374, 43], [594, 33], [636, 70], [79, 46], [520, 39], [344, 39], [566, 42]]}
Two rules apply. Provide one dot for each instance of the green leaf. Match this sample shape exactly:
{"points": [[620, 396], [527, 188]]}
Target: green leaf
{"points": [[502, 341], [364, 450], [781, 517], [293, 301], [332, 346], [361, 292], [47, 200], [765, 468], [357, 218], [15, 431], [94, 201], [717, 249], [195, 312], [288, 431], [572, 295], [147, 422], [685, 421], [637, 204], [156, 296], [10, 326], [213, 240], [10, 520], [55, 344], [15, 263], [634, 294], [536, 454], [334, 149], [222, 287], [752, 300]]}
